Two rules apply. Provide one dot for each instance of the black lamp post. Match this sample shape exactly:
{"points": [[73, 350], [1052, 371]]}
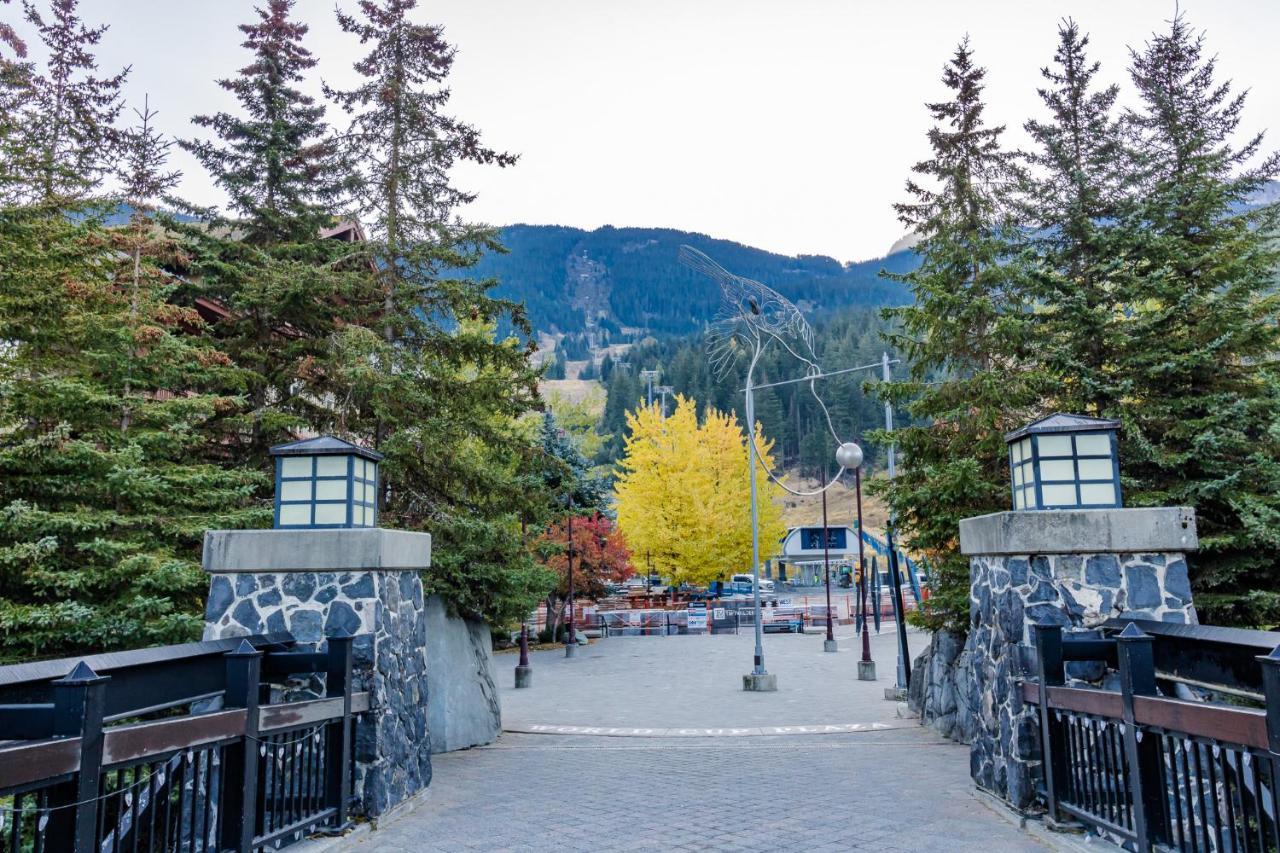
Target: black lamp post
{"points": [[571, 637], [829, 644], [866, 666]]}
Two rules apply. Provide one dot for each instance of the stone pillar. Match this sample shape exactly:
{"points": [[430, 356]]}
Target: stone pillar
{"points": [[364, 581], [1074, 568]]}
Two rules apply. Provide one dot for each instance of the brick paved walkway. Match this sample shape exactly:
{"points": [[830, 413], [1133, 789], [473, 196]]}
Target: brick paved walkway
{"points": [[900, 788]]}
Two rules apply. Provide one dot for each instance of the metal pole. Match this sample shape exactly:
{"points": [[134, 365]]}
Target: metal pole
{"points": [[571, 638], [758, 669], [904, 661], [828, 645], [866, 666]]}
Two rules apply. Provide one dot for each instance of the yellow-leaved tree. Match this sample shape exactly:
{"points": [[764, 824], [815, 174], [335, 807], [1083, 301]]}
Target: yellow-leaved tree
{"points": [[683, 494]]}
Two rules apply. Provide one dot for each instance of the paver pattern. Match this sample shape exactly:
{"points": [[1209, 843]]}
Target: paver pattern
{"points": [[887, 789]]}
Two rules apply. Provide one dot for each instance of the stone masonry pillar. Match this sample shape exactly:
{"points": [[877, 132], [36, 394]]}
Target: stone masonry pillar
{"points": [[364, 581], [1074, 568]]}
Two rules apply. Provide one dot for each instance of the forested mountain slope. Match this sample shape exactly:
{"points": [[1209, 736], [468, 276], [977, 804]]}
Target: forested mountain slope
{"points": [[619, 278]]}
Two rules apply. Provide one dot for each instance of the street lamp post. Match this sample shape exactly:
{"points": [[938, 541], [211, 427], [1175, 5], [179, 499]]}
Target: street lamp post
{"points": [[866, 666], [895, 578], [829, 644], [571, 637], [754, 316]]}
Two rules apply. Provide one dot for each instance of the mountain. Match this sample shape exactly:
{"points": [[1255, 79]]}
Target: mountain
{"points": [[627, 280]]}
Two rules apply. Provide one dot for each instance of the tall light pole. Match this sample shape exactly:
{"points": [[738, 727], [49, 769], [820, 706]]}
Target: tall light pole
{"points": [[759, 680], [895, 579], [829, 644], [866, 666], [755, 315]]}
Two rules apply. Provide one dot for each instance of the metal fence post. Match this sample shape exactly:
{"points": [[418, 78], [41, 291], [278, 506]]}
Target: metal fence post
{"points": [[1052, 673], [1138, 678], [79, 699], [338, 682], [1271, 690], [240, 763]]}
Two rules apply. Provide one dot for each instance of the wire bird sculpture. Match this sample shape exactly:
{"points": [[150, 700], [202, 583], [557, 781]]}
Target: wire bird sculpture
{"points": [[751, 316]]}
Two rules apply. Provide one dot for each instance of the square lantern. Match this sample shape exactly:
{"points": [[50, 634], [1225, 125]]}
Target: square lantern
{"points": [[1065, 462], [325, 482]]}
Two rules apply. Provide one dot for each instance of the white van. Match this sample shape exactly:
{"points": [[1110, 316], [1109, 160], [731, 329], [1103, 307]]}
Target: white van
{"points": [[765, 585]]}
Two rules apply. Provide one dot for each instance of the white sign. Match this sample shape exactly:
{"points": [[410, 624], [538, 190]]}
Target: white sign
{"points": [[718, 614], [697, 618]]}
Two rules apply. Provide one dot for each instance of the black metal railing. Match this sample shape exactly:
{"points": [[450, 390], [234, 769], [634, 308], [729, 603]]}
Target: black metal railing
{"points": [[1154, 771], [115, 755]]}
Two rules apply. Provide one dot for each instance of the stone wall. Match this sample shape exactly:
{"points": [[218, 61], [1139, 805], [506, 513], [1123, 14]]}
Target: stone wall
{"points": [[1043, 568], [427, 672], [385, 611], [463, 710]]}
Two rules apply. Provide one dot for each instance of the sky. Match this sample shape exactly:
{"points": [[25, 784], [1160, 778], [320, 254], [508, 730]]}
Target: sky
{"points": [[790, 125]]}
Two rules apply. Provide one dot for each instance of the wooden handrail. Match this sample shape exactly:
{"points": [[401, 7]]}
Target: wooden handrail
{"points": [[1242, 726], [26, 762]]}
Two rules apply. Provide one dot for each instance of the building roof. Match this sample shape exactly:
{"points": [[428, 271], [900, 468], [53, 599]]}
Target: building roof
{"points": [[1060, 422], [325, 445]]}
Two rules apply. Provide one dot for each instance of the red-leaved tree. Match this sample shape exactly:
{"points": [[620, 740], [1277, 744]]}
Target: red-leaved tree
{"points": [[599, 557]]}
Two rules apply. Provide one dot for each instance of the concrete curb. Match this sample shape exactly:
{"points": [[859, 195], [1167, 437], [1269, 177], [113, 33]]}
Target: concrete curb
{"points": [[699, 732]]}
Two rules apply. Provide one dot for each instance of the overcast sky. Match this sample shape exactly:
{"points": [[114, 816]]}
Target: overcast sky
{"points": [[785, 124]]}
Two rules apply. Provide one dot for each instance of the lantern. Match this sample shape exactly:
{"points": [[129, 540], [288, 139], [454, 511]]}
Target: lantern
{"points": [[1065, 462], [325, 482]]}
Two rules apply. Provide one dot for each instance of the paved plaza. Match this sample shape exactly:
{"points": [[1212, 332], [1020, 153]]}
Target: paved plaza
{"points": [[890, 786]]}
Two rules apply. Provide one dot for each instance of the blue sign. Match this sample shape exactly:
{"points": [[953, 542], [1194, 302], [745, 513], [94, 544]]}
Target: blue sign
{"points": [[811, 538]]}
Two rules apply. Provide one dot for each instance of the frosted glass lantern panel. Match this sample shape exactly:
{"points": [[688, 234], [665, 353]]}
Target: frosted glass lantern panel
{"points": [[1095, 469], [1061, 495], [1055, 445], [295, 490], [296, 466], [294, 515], [331, 466], [331, 490], [1093, 445], [331, 513], [1057, 469], [1097, 493]]}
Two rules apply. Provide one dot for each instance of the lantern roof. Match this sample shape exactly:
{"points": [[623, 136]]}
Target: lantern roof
{"points": [[1059, 422], [325, 445]]}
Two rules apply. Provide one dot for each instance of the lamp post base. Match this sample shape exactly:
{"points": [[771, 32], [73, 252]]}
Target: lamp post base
{"points": [[866, 670], [571, 650], [763, 682], [829, 646], [524, 676]]}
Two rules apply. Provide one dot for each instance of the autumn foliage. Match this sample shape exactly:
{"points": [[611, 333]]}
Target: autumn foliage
{"points": [[683, 494]]}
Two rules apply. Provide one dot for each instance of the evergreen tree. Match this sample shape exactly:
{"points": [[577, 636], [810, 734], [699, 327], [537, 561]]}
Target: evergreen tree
{"points": [[63, 116], [961, 337], [106, 411], [426, 378], [1202, 427], [274, 160], [1071, 202]]}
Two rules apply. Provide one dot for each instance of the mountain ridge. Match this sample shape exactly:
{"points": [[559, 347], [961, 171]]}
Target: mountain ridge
{"points": [[628, 280]]}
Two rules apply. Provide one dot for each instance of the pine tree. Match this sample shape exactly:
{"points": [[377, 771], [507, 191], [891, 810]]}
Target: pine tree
{"points": [[962, 337], [447, 394], [274, 160], [1071, 202], [103, 499], [63, 115], [1201, 425]]}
